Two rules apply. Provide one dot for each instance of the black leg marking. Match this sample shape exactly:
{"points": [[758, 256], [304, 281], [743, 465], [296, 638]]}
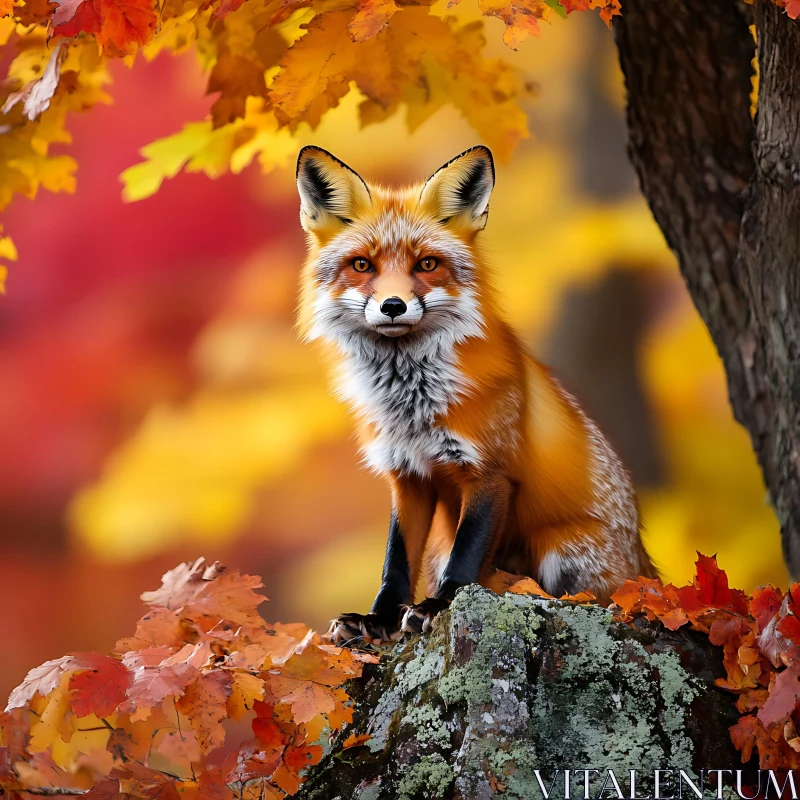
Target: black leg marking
{"points": [[472, 543], [396, 580]]}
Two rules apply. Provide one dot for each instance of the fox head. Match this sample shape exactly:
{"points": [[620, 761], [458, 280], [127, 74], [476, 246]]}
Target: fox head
{"points": [[392, 263]]}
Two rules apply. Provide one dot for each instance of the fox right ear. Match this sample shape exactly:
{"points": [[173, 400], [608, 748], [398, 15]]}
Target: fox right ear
{"points": [[331, 194]]}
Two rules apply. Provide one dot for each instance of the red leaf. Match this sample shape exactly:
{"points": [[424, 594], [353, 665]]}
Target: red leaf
{"points": [[712, 582], [765, 603], [156, 677], [99, 689], [42, 680], [266, 729], [782, 698], [126, 22], [789, 626], [116, 23], [75, 16]]}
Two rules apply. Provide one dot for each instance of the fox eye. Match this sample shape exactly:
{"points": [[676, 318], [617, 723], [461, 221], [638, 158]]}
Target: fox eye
{"points": [[362, 265], [426, 265]]}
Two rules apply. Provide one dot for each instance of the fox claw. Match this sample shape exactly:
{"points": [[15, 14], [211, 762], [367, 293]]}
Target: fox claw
{"points": [[352, 628], [418, 618]]}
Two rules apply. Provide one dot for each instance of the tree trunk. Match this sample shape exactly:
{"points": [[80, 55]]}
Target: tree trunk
{"points": [[507, 685], [726, 192]]}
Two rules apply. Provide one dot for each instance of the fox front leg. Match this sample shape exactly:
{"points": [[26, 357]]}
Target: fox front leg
{"points": [[412, 514], [483, 517]]}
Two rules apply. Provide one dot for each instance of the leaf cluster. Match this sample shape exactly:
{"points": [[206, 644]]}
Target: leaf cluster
{"points": [[205, 700], [760, 637], [273, 66]]}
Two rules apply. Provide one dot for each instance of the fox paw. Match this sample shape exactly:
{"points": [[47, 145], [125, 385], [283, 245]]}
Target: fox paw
{"points": [[354, 628], [418, 618]]}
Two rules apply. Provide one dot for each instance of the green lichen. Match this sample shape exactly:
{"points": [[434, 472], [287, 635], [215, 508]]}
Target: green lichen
{"points": [[601, 709], [678, 690], [502, 630], [429, 778], [381, 720], [522, 685], [515, 770], [424, 667], [429, 726]]}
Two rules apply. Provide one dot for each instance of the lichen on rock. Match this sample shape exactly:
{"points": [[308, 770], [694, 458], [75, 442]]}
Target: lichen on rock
{"points": [[507, 685]]}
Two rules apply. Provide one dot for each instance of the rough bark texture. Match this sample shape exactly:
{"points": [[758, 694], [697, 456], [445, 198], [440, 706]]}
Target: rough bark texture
{"points": [[726, 193], [505, 685]]}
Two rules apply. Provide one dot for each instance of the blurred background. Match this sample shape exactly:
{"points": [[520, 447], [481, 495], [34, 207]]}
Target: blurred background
{"points": [[156, 404]]}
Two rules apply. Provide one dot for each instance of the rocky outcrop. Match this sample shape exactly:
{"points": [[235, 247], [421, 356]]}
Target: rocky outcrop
{"points": [[508, 685]]}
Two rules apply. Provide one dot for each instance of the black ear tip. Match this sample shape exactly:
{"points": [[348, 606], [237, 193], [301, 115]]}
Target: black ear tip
{"points": [[305, 153], [487, 154]]}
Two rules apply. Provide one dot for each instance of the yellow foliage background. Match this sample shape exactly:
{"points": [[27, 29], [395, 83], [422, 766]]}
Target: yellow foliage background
{"points": [[196, 472]]}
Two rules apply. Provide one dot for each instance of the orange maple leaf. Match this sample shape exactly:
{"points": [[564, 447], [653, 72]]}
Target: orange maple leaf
{"points": [[205, 704], [209, 593]]}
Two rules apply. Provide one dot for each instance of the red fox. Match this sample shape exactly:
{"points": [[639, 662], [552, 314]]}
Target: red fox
{"points": [[493, 467]]}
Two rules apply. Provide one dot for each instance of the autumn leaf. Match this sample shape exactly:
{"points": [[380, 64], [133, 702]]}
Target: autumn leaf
{"points": [[783, 695], [119, 24], [372, 15], [75, 16], [764, 604], [45, 679], [355, 740], [212, 593], [521, 18], [100, 688], [36, 96], [169, 699], [160, 627], [205, 703], [158, 674], [793, 8], [529, 586], [246, 689], [236, 78]]}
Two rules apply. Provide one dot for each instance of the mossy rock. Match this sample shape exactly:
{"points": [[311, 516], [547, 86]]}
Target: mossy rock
{"points": [[505, 685]]}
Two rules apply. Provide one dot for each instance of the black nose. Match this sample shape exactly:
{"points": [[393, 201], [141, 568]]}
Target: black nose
{"points": [[393, 307]]}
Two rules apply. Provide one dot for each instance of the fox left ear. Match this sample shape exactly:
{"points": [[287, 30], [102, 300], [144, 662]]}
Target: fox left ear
{"points": [[460, 189], [331, 193]]}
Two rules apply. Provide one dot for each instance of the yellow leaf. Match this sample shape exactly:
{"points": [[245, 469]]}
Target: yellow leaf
{"points": [[164, 159], [246, 688], [317, 66]]}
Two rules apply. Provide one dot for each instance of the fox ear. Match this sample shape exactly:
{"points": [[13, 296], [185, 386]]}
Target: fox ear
{"points": [[331, 193], [460, 190]]}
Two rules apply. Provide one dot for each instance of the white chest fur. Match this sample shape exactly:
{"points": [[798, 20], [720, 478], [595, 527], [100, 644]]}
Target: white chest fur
{"points": [[403, 389]]}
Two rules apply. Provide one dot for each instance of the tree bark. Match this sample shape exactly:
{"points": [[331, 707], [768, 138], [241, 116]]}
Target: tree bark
{"points": [[506, 685], [725, 191]]}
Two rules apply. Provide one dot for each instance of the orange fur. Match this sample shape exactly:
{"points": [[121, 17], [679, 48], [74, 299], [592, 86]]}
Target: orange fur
{"points": [[564, 511]]}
